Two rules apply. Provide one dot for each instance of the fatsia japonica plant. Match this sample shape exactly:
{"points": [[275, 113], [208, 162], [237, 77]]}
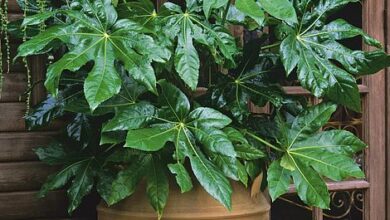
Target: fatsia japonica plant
{"points": [[123, 75]]}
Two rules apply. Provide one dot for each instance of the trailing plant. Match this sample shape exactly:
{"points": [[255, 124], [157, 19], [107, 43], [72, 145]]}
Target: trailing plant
{"points": [[123, 74]]}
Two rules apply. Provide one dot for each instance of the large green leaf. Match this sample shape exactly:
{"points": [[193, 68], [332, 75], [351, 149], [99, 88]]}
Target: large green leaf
{"points": [[212, 180], [103, 39], [188, 27], [324, 66], [307, 155]]}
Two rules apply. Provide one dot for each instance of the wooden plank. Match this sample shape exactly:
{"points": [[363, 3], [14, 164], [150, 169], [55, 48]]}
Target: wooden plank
{"points": [[14, 85], [26, 205], [298, 90], [341, 186], [374, 120], [38, 64], [24, 176], [11, 117], [16, 146]]}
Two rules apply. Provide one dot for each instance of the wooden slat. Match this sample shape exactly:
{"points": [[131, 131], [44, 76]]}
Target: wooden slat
{"points": [[387, 40], [341, 186], [374, 120], [15, 146], [23, 176], [14, 85], [11, 117], [298, 90], [26, 205]]}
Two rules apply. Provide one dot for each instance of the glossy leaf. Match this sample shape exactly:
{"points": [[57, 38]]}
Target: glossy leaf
{"points": [[95, 44], [310, 186], [281, 9], [309, 155], [45, 112], [183, 179], [127, 180], [132, 117], [80, 171], [213, 4], [251, 9], [157, 186], [314, 49], [150, 139], [278, 179]]}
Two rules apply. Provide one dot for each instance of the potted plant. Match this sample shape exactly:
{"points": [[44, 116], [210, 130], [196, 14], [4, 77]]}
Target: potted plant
{"points": [[123, 74]]}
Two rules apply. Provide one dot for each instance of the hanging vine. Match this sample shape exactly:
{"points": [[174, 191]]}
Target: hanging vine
{"points": [[25, 61], [5, 37]]}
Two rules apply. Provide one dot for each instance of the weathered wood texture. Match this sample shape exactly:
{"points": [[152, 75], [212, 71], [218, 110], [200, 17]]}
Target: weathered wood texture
{"points": [[387, 40], [26, 205], [23, 176], [11, 116], [374, 120], [14, 87], [17, 146]]}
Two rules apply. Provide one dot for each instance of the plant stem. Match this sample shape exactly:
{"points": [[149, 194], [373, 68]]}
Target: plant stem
{"points": [[270, 46], [264, 141], [225, 13]]}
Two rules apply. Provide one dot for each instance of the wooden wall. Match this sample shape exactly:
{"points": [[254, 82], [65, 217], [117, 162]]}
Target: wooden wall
{"points": [[21, 175]]}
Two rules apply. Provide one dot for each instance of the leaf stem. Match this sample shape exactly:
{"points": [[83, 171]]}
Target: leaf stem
{"points": [[263, 141], [270, 46], [226, 12]]}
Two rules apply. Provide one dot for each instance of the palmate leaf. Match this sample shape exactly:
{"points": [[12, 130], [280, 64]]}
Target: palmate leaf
{"points": [[235, 93], [81, 170], [194, 134], [309, 155], [96, 35], [324, 66], [190, 27]]}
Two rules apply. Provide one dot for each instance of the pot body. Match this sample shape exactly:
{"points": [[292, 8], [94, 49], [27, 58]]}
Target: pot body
{"points": [[194, 205]]}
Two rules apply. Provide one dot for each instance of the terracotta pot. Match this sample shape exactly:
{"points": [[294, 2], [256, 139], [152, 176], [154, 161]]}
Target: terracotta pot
{"points": [[196, 204]]}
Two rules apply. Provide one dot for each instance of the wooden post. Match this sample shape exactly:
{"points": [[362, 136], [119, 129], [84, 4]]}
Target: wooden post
{"points": [[374, 117]]}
